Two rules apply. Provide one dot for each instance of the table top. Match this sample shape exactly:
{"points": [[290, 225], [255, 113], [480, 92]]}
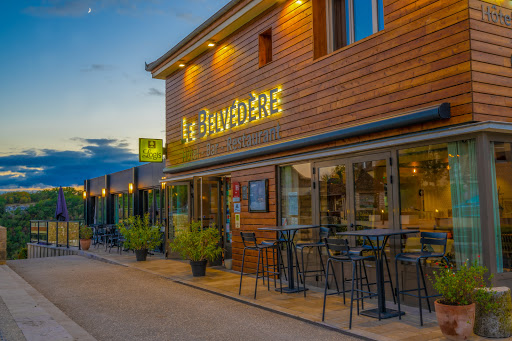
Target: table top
{"points": [[288, 227], [376, 232]]}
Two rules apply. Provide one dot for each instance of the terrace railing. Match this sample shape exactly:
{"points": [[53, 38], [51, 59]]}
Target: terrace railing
{"points": [[53, 232]]}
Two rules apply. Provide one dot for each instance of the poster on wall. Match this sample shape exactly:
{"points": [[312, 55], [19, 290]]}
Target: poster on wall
{"points": [[293, 203], [236, 191], [237, 207], [237, 221], [258, 196]]}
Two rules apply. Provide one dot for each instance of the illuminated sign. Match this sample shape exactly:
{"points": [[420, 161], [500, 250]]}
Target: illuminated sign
{"points": [[493, 14], [151, 150], [240, 113]]}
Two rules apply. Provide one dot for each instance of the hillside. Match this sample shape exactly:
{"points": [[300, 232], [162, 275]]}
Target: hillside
{"points": [[43, 205]]}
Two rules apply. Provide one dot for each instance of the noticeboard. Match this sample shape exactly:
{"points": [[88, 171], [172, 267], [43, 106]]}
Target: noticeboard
{"points": [[151, 150], [258, 196]]}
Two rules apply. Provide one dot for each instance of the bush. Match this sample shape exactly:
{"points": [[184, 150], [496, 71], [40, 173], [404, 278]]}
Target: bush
{"points": [[138, 233], [23, 254], [197, 244], [85, 232]]}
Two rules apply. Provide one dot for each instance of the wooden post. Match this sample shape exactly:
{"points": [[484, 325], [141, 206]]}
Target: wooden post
{"points": [[3, 245]]}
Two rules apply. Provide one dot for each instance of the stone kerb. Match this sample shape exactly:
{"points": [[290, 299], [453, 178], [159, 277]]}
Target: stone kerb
{"points": [[3, 245]]}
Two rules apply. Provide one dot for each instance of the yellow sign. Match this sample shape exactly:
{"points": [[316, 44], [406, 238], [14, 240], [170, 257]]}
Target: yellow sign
{"points": [[240, 113], [151, 150]]}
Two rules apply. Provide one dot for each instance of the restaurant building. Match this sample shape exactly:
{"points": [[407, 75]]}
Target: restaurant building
{"points": [[349, 114]]}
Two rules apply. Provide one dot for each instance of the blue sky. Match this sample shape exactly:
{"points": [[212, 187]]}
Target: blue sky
{"points": [[74, 95]]}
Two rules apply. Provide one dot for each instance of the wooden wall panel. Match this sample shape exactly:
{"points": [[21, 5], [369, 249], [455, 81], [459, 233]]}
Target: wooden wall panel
{"points": [[421, 58], [491, 53]]}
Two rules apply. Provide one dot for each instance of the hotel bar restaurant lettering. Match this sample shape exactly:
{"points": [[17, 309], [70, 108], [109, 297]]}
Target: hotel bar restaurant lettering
{"points": [[348, 114]]}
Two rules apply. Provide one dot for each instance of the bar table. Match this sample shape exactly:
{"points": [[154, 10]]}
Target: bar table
{"points": [[378, 241], [287, 233]]}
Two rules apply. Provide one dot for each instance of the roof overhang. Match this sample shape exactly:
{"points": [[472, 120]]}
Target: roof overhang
{"points": [[222, 24]]}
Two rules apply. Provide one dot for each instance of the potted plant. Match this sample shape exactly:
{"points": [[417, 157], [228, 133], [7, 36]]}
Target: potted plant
{"points": [[140, 236], [198, 245], [85, 233], [455, 311]]}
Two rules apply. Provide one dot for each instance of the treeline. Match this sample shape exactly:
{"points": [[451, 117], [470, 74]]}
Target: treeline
{"points": [[17, 222]]}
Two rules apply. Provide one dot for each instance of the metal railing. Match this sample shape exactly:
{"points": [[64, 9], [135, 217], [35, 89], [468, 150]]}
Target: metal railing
{"points": [[53, 232]]}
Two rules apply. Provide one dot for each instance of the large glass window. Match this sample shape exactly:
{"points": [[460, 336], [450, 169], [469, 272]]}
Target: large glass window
{"points": [[296, 194], [332, 184], [353, 20], [502, 198], [178, 208], [439, 193]]}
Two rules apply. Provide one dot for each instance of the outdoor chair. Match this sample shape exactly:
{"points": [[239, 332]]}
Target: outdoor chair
{"points": [[339, 251], [274, 269], [319, 245], [429, 241], [99, 235]]}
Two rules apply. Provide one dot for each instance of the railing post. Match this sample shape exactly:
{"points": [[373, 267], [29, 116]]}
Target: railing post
{"points": [[67, 235]]}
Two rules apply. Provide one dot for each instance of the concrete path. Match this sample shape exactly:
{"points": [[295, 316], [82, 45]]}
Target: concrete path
{"points": [[26, 314], [120, 303]]}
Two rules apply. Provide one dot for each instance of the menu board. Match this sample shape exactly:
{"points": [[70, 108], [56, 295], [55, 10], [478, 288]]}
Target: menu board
{"points": [[258, 196]]}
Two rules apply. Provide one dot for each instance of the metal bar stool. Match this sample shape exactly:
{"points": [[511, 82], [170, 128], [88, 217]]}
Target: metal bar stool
{"points": [[304, 273], [339, 251], [360, 250], [250, 243], [427, 239]]}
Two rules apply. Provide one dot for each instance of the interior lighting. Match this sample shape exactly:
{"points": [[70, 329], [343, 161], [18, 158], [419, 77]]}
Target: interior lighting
{"points": [[103, 192], [163, 185], [414, 170], [130, 188]]}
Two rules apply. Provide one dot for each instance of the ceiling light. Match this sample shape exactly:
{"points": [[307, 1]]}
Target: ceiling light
{"points": [[212, 44]]}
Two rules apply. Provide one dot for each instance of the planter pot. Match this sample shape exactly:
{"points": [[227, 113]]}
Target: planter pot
{"points": [[141, 255], [496, 323], [228, 263], [456, 322], [85, 244], [198, 268]]}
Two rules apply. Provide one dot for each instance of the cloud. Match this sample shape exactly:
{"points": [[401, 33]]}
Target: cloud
{"points": [[44, 168], [155, 92], [97, 67]]}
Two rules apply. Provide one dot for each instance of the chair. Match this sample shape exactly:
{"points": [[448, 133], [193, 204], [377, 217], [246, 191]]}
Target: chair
{"points": [[339, 251], [250, 243], [324, 233], [99, 235], [367, 247], [428, 241]]}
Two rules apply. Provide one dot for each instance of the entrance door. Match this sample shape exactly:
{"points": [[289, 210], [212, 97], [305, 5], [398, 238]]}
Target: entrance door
{"points": [[178, 209], [354, 193]]}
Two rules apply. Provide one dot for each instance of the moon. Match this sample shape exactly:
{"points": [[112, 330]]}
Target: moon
{"points": [[89, 10]]}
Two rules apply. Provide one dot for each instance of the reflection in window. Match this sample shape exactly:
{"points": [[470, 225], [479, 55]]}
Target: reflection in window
{"points": [[332, 184], [501, 165], [439, 193], [296, 194]]}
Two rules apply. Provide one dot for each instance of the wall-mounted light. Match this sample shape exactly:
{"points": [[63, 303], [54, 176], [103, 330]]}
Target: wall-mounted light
{"points": [[181, 64], [84, 194], [163, 185], [211, 44], [103, 192], [130, 188], [298, 2], [414, 170]]}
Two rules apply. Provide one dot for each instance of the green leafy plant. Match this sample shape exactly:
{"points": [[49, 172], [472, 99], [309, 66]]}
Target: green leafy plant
{"points": [[139, 234], [23, 254], [465, 286], [197, 244], [85, 232]]}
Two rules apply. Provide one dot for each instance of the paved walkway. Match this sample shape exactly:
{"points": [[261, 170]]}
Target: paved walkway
{"points": [[226, 283], [26, 315], [122, 303]]}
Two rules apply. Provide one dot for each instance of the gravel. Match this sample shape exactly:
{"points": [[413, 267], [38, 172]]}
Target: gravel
{"points": [[113, 302]]}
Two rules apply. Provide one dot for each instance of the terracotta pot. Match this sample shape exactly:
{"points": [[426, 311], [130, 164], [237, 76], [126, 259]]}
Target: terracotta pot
{"points": [[85, 244], [456, 322]]}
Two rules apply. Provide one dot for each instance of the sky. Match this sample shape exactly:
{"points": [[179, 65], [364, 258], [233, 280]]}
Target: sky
{"points": [[74, 94]]}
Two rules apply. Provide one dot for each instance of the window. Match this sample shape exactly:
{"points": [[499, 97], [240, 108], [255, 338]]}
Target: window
{"points": [[265, 50], [439, 193], [296, 194], [352, 20]]}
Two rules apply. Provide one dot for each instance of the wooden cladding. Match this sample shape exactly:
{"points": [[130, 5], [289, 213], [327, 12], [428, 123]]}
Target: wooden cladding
{"points": [[319, 28], [265, 47]]}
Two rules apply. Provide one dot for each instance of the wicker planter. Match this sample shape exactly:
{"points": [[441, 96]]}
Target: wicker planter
{"points": [[456, 321], [85, 244]]}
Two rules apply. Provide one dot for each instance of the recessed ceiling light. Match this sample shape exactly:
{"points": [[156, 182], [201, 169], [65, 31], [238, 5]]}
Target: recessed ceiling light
{"points": [[181, 65], [211, 44]]}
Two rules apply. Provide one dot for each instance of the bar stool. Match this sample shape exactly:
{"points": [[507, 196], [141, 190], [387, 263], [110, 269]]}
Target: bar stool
{"points": [[427, 239], [339, 251], [360, 250], [250, 243], [324, 233]]}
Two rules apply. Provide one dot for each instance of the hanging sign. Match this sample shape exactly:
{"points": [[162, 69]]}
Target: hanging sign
{"points": [[151, 150], [236, 191]]}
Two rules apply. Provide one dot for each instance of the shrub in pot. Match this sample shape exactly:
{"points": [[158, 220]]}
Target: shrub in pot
{"points": [[85, 234], [198, 245], [140, 236], [455, 311]]}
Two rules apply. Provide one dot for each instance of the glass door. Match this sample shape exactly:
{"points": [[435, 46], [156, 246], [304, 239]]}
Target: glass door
{"points": [[354, 193], [178, 209]]}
